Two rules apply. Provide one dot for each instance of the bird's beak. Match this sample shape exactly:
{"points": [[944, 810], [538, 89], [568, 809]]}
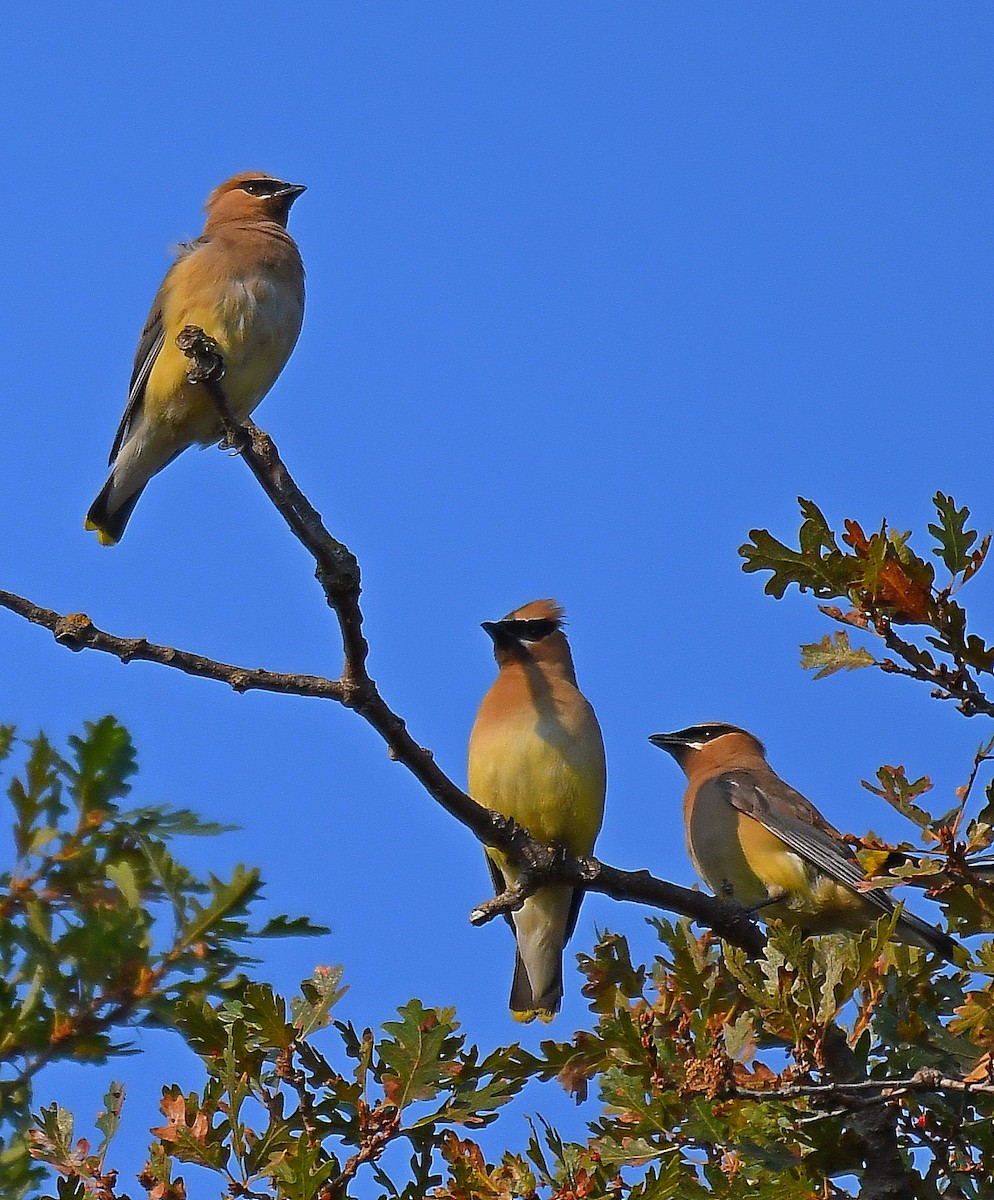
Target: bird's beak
{"points": [[499, 633], [292, 191], [672, 743]]}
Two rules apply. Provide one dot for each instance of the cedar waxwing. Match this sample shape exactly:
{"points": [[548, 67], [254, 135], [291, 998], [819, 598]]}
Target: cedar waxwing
{"points": [[242, 282], [755, 840], [536, 754]]}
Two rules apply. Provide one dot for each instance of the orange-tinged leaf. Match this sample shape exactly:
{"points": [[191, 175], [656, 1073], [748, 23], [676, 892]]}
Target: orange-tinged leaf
{"points": [[895, 578], [981, 1073], [174, 1110]]}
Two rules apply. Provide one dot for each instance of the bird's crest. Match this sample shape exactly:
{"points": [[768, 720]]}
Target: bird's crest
{"points": [[539, 610], [237, 182]]}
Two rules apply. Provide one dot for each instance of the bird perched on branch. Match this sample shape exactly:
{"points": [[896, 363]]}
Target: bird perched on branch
{"points": [[242, 282], [536, 754], [755, 840]]}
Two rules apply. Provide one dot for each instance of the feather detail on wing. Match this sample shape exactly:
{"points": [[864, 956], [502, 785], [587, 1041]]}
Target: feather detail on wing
{"points": [[817, 843], [149, 345]]}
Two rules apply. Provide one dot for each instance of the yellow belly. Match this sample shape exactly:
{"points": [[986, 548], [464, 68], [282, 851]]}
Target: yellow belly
{"points": [[739, 858], [255, 329], [549, 780]]}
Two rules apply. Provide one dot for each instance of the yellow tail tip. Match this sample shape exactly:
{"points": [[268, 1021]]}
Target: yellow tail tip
{"points": [[103, 537], [526, 1015]]}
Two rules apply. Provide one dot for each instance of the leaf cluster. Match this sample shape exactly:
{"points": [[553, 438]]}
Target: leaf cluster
{"points": [[886, 583], [275, 1114], [101, 927], [718, 1075]]}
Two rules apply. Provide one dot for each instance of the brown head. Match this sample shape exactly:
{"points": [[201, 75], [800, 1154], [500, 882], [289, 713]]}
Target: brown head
{"points": [[251, 196], [532, 633], [711, 747]]}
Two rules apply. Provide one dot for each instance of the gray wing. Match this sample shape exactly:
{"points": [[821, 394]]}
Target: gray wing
{"points": [[778, 808], [149, 345]]}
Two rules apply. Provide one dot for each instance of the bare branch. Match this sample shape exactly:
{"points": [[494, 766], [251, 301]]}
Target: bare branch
{"points": [[337, 570], [548, 864], [78, 632], [339, 575], [539, 865], [508, 901]]}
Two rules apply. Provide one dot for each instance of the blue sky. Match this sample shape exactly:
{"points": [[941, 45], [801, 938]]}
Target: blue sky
{"points": [[593, 290]]}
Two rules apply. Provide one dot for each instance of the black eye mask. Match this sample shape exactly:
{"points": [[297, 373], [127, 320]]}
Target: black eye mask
{"points": [[264, 187], [530, 631]]}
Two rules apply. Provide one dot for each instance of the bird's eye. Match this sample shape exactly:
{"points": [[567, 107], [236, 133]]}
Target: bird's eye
{"points": [[258, 187], [534, 630]]}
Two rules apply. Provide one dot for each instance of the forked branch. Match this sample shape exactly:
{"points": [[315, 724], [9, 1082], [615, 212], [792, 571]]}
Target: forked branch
{"points": [[337, 571]]}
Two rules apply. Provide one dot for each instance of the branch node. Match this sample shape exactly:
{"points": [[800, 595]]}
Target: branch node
{"points": [[510, 900], [132, 647], [356, 694], [72, 629], [208, 370], [343, 578], [204, 354], [590, 869]]}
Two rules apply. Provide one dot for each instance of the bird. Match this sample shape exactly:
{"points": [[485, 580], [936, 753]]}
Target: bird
{"points": [[536, 754], [755, 840], [242, 282]]}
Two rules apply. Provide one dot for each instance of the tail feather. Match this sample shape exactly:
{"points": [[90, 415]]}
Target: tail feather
{"points": [[525, 1006], [109, 513], [137, 461], [920, 933]]}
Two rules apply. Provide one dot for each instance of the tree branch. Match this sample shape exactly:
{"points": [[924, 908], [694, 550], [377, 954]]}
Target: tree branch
{"points": [[539, 865], [337, 571], [78, 632], [867, 1091], [885, 1176], [958, 684], [336, 567]]}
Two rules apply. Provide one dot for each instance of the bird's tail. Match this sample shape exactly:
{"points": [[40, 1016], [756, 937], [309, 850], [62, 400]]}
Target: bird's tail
{"points": [[110, 512], [542, 927], [525, 1006], [917, 932], [143, 455]]}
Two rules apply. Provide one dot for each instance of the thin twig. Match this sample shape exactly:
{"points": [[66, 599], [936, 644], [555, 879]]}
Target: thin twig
{"points": [[956, 685], [294, 1076], [982, 755], [868, 1091], [337, 569]]}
